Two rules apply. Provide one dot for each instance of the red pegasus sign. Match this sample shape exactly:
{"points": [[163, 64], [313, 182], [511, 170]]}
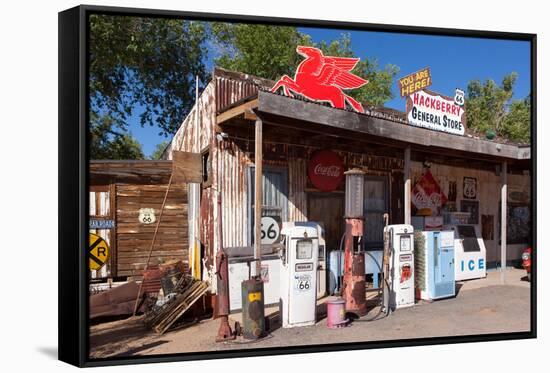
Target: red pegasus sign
{"points": [[322, 78]]}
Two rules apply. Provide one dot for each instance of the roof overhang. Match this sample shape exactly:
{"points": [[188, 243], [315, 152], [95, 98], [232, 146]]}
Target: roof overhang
{"points": [[274, 105]]}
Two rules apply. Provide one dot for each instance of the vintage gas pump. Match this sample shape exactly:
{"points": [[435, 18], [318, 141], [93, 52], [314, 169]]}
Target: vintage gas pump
{"points": [[299, 274], [354, 257], [224, 332], [401, 271]]}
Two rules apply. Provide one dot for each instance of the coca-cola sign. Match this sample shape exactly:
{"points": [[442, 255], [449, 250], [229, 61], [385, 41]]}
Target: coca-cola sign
{"points": [[325, 170]]}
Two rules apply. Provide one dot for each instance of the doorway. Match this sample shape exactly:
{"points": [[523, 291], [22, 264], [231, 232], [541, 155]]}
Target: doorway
{"points": [[328, 209]]}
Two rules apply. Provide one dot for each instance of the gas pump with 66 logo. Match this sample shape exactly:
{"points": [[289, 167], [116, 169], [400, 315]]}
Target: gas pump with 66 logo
{"points": [[299, 274], [401, 277]]}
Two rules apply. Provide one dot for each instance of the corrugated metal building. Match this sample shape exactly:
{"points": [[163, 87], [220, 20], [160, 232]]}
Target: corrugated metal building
{"points": [[391, 152]]}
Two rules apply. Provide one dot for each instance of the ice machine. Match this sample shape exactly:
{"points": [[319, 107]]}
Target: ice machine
{"points": [[470, 252]]}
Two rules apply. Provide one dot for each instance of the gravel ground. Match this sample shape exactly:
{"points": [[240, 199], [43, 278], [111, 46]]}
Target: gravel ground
{"points": [[481, 306]]}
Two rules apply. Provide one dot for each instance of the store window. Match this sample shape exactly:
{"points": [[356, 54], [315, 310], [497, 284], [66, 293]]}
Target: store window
{"points": [[275, 195], [375, 206]]}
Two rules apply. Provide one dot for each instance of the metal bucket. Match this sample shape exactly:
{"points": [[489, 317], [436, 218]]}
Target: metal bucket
{"points": [[336, 313]]}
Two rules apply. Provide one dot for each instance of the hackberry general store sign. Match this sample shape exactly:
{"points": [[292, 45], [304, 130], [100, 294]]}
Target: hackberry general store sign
{"points": [[436, 112]]}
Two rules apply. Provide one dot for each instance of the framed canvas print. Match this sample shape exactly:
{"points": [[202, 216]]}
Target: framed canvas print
{"points": [[236, 186]]}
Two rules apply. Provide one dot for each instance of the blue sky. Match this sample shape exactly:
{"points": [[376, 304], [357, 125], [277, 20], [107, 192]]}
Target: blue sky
{"points": [[453, 61]]}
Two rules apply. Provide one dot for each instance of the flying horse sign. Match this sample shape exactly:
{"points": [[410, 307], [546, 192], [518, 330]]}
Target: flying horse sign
{"points": [[322, 78]]}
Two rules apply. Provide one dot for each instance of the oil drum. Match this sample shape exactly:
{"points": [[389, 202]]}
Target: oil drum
{"points": [[253, 308]]}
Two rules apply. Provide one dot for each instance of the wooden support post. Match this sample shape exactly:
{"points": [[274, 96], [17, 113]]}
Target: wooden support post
{"points": [[258, 200], [503, 222], [407, 176]]}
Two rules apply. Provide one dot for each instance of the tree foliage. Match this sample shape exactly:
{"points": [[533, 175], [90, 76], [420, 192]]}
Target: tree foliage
{"points": [[270, 52], [262, 50], [106, 143], [159, 150], [517, 123], [490, 107], [149, 63]]}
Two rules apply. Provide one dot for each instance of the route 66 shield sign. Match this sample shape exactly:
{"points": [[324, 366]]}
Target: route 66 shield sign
{"points": [[470, 187], [459, 97], [147, 216]]}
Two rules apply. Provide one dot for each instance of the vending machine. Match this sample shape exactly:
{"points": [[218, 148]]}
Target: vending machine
{"points": [[435, 265], [401, 276], [470, 252], [299, 274]]}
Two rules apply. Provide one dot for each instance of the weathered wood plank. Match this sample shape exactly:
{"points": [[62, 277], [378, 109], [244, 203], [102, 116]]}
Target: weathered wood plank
{"points": [[378, 127], [186, 167], [243, 109]]}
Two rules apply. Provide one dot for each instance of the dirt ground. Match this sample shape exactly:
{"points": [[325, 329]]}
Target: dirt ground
{"points": [[480, 307]]}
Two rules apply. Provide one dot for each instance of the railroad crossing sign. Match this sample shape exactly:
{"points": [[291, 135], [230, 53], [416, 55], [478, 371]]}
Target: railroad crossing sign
{"points": [[98, 252]]}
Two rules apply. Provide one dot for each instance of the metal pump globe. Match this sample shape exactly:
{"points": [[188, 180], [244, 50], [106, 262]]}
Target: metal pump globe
{"points": [[355, 181]]}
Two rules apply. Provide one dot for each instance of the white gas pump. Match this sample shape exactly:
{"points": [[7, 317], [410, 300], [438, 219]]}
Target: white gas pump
{"points": [[299, 274], [401, 278]]}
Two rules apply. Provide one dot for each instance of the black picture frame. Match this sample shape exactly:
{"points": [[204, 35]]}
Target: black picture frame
{"points": [[472, 207], [73, 181]]}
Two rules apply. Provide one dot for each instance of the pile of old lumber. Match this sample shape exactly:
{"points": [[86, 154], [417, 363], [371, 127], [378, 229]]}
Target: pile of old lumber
{"points": [[186, 292]]}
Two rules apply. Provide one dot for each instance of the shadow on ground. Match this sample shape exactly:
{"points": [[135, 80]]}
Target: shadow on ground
{"points": [[144, 347], [50, 352]]}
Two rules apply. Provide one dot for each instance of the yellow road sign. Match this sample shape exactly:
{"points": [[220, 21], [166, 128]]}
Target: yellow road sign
{"points": [[98, 252]]}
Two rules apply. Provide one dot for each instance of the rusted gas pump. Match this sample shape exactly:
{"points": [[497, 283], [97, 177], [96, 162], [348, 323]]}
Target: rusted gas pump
{"points": [[354, 257], [224, 332]]}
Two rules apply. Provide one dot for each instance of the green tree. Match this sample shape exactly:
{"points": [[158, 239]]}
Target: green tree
{"points": [[145, 63], [517, 123], [265, 51], [159, 150], [490, 107], [106, 143], [270, 52]]}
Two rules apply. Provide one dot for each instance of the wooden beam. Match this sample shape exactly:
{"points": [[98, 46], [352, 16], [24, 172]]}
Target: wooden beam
{"points": [[250, 115], [503, 222], [407, 183], [258, 200], [237, 111], [383, 128]]}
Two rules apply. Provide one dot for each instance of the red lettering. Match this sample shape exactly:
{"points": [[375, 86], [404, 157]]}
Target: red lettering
{"points": [[415, 98]]}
